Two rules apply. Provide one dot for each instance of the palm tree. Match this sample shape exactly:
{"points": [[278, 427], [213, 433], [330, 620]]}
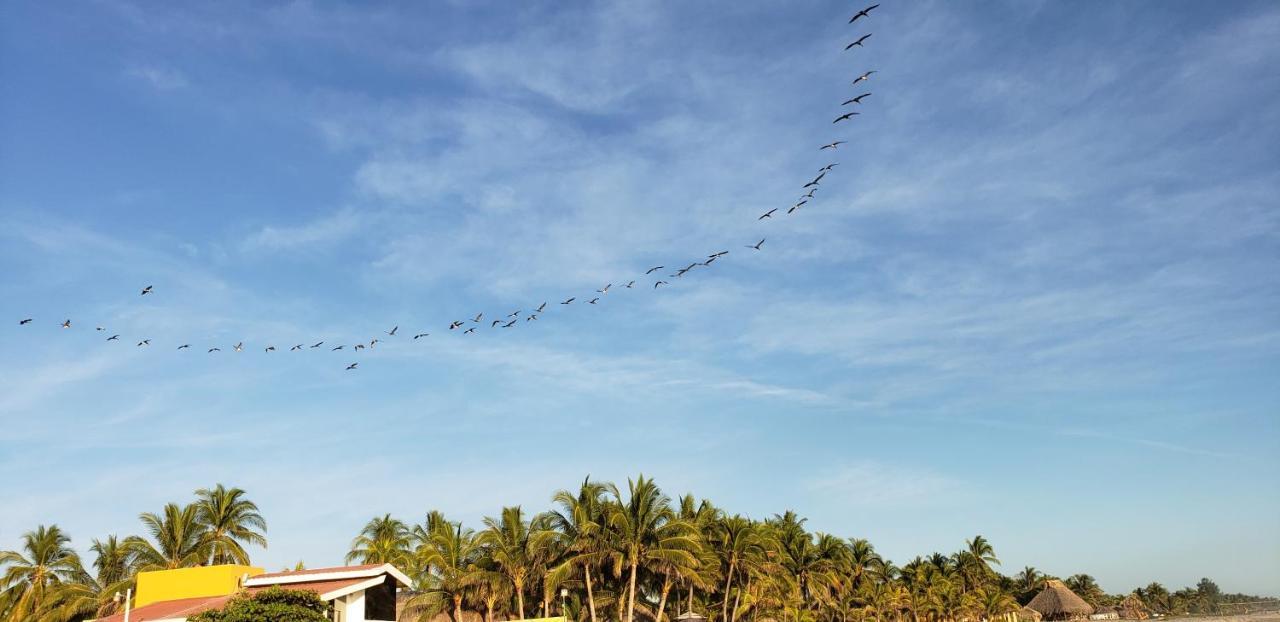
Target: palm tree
{"points": [[178, 539], [1028, 581], [113, 562], [737, 540], [579, 521], [230, 521], [515, 545], [450, 556], [647, 532], [1086, 586], [383, 540], [45, 562]]}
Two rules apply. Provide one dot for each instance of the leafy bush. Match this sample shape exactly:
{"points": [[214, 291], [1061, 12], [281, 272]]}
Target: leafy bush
{"points": [[270, 605]]}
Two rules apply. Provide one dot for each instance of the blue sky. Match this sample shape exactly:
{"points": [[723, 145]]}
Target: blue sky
{"points": [[1036, 300]]}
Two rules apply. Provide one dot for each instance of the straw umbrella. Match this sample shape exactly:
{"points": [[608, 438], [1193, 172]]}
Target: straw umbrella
{"points": [[1057, 602]]}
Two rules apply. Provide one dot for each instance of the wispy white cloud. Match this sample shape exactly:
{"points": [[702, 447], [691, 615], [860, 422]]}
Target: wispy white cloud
{"points": [[160, 78]]}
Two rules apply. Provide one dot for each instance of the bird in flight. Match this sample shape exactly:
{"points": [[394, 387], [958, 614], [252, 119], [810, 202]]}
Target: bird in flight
{"points": [[454, 324], [719, 254], [99, 328], [184, 346], [856, 100], [863, 13], [392, 332], [630, 284], [511, 323], [270, 349], [605, 290], [515, 313], [113, 338], [796, 206], [146, 290], [374, 343], [469, 330], [295, 348], [568, 301], [420, 335], [66, 324], [834, 145], [828, 167], [336, 349], [768, 214], [317, 344], [352, 366], [816, 180], [476, 319], [359, 346], [540, 308], [495, 323], [865, 76], [240, 347], [858, 42], [212, 350], [847, 115], [649, 271], [144, 342], [655, 285], [593, 301], [24, 322], [809, 195], [531, 318], [757, 245]]}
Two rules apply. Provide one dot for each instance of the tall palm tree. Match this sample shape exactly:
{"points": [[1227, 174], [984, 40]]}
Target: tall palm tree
{"points": [[736, 540], [1086, 587], [383, 540], [516, 546], [112, 562], [580, 522], [230, 522], [177, 539], [647, 532], [32, 574]]}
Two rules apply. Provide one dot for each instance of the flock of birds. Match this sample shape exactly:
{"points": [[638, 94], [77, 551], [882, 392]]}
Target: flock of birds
{"points": [[512, 319]]}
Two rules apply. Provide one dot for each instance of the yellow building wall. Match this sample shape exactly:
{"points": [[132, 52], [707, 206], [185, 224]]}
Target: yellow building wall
{"points": [[158, 585]]}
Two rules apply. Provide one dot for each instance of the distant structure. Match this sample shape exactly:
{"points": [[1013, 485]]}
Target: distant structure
{"points": [[1133, 608], [1057, 602]]}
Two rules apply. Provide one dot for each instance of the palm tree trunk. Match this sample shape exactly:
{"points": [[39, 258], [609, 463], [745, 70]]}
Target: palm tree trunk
{"points": [[662, 602], [728, 581], [488, 611], [457, 609], [591, 599], [631, 596], [519, 597], [733, 615]]}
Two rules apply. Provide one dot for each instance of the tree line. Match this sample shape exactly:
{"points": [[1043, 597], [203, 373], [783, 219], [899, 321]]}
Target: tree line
{"points": [[601, 554]]}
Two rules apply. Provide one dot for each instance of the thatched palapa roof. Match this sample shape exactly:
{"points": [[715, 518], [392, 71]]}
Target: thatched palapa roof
{"points": [[1057, 602]]}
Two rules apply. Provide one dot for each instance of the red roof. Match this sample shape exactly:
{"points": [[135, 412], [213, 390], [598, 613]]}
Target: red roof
{"points": [[170, 609], [319, 587], [294, 573]]}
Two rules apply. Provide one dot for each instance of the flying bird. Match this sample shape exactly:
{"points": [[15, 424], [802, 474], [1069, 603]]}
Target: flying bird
{"points": [[24, 322], [834, 145], [359, 346], [768, 214], [184, 346], [476, 319], [649, 271], [240, 346], [863, 13], [420, 335], [212, 350], [352, 366], [809, 195], [317, 344], [568, 301], [605, 290], [511, 323], [336, 349], [495, 323], [847, 115], [540, 308], [816, 180], [630, 283], [858, 42], [709, 260], [99, 328], [146, 290], [796, 206], [66, 324], [865, 76], [296, 348], [856, 100], [593, 301], [757, 245], [531, 318], [374, 343], [144, 342], [454, 324], [515, 313], [113, 338], [392, 332], [719, 254], [270, 349], [655, 285], [828, 167], [469, 330]]}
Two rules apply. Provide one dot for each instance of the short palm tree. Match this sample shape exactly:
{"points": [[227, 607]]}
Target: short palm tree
{"points": [[33, 574], [230, 522], [177, 539], [516, 547], [383, 540], [450, 557]]}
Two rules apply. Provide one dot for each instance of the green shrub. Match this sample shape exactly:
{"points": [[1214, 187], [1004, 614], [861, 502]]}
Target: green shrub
{"points": [[270, 605]]}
